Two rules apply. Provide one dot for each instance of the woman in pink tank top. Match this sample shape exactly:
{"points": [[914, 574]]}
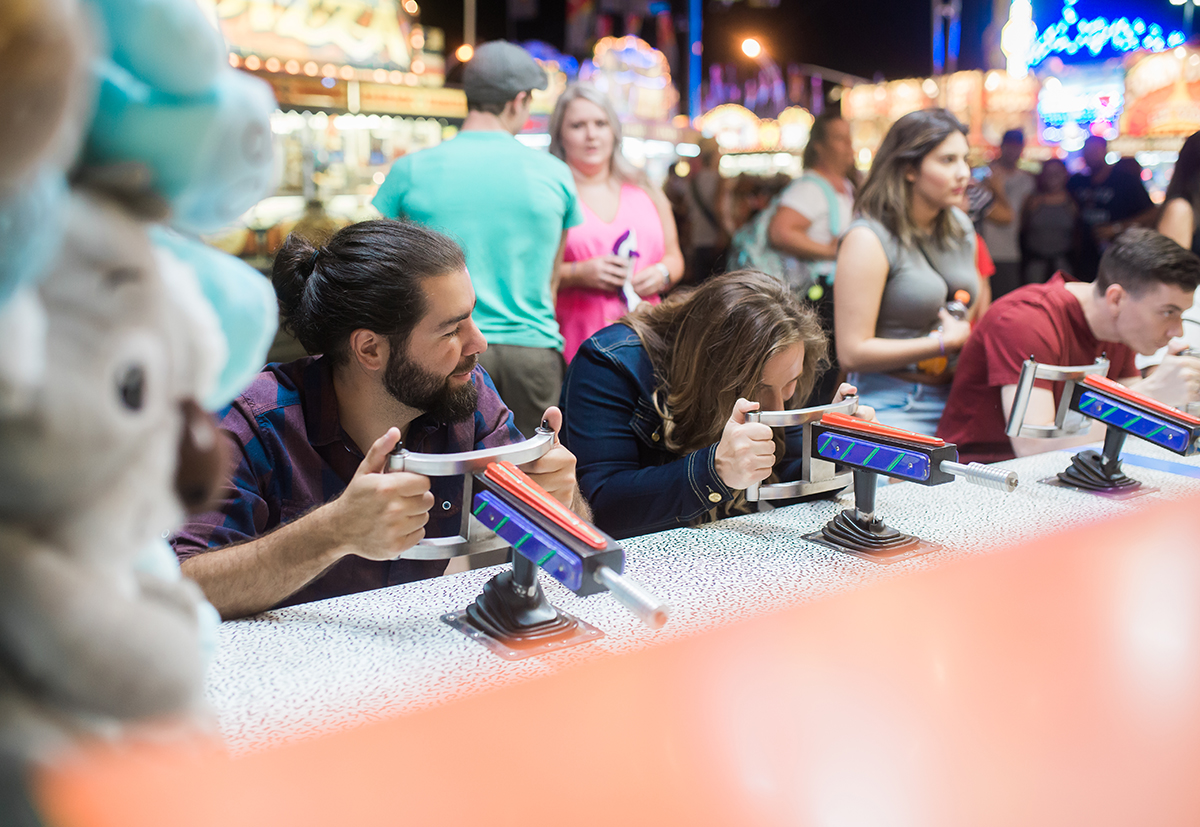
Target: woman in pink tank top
{"points": [[626, 250]]}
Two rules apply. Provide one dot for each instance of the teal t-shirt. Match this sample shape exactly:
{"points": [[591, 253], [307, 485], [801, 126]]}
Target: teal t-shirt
{"points": [[507, 205]]}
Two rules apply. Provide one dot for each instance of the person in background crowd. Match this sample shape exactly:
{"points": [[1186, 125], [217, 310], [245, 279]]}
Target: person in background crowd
{"points": [[910, 253], [655, 406], [1181, 204], [1178, 222], [986, 268], [1129, 165], [706, 195], [812, 214], [978, 200], [308, 512], [1144, 284], [511, 206], [673, 188], [316, 225], [626, 250], [1048, 221], [1001, 230], [1110, 200], [749, 195]]}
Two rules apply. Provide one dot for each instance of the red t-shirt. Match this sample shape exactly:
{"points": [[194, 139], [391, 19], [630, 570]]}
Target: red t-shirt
{"points": [[1042, 320], [983, 258]]}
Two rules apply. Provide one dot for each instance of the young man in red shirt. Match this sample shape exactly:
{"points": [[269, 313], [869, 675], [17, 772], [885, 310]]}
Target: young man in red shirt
{"points": [[1145, 282]]}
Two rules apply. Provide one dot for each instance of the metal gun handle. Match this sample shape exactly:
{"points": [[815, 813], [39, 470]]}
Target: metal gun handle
{"points": [[468, 462], [801, 416], [472, 537], [1016, 417], [798, 416], [1031, 371]]}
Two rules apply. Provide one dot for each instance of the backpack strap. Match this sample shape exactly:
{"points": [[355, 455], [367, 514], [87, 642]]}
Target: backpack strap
{"points": [[835, 212]]}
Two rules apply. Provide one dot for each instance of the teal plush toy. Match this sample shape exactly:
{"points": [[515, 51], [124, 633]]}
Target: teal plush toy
{"points": [[161, 108], [169, 103], [245, 307], [201, 133]]}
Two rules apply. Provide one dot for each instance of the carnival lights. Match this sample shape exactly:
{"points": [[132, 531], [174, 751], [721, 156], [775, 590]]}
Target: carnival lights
{"points": [[1017, 36], [1073, 33]]}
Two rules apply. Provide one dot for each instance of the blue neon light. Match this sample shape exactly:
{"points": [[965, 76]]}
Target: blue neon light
{"points": [[873, 456], [1135, 421], [1073, 34]]}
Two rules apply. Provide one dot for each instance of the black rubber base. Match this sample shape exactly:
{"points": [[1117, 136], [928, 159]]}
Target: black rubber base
{"points": [[874, 540], [583, 633], [874, 537], [1089, 472], [882, 558], [518, 620]]}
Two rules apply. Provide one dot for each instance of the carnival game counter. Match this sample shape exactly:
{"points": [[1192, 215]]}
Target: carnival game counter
{"points": [[319, 667]]}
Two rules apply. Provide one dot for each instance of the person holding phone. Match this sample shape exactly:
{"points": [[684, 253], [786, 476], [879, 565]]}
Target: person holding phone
{"points": [[909, 254], [627, 249]]}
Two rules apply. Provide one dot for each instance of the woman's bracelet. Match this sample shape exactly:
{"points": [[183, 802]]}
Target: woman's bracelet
{"points": [[666, 285], [941, 343]]}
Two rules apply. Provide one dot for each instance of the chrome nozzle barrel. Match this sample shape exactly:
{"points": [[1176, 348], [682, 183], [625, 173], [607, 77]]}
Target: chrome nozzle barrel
{"points": [[631, 594], [1001, 479]]}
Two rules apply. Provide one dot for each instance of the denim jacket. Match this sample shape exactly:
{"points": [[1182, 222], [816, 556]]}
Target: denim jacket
{"points": [[635, 485]]}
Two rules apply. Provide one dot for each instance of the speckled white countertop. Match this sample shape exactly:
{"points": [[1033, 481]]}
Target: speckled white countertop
{"points": [[309, 669]]}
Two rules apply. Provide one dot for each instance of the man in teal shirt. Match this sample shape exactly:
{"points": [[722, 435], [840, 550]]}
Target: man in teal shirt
{"points": [[510, 207]]}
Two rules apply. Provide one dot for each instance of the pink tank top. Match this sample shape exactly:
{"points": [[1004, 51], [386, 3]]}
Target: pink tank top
{"points": [[636, 230]]}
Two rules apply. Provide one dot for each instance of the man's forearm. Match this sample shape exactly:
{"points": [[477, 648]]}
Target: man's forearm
{"points": [[789, 238], [253, 576], [580, 506], [802, 246]]}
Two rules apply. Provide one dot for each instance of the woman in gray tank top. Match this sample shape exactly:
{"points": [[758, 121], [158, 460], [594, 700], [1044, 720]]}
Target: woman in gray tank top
{"points": [[909, 255]]}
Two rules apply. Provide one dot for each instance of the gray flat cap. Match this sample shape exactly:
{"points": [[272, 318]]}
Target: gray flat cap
{"points": [[500, 70]]}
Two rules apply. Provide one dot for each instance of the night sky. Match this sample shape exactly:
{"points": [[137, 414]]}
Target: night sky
{"points": [[862, 37], [868, 38]]}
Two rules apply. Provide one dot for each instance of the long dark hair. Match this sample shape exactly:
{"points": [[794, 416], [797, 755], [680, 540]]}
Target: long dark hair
{"points": [[709, 346], [886, 195], [367, 277], [1185, 180]]}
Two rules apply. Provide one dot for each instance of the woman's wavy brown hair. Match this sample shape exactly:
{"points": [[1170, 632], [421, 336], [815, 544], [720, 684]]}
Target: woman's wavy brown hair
{"points": [[886, 195], [709, 346]]}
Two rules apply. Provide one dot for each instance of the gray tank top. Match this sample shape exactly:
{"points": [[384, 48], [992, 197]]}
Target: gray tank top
{"points": [[922, 278]]}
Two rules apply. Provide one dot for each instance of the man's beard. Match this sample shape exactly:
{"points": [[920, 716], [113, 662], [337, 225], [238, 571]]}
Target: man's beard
{"points": [[427, 392]]}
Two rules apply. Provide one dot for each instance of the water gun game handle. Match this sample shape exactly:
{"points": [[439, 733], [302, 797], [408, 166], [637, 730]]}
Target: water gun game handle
{"points": [[1089, 394], [871, 449], [513, 616], [472, 537], [1125, 412], [817, 476], [1064, 425]]}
